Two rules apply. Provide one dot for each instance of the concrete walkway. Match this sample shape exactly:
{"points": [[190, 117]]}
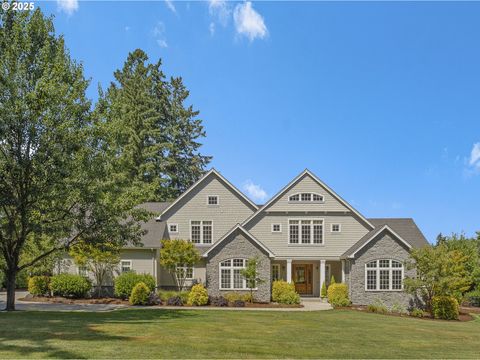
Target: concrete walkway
{"points": [[309, 304]]}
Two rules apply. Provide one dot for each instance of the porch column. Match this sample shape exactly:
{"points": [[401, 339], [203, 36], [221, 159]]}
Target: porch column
{"points": [[343, 271], [322, 273], [289, 270]]}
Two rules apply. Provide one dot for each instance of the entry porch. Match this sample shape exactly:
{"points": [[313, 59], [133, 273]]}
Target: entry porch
{"points": [[308, 275]]}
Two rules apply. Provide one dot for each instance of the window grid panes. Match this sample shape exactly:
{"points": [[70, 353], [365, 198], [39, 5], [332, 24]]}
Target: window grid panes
{"points": [[384, 274], [306, 197], [173, 228], [185, 271], [335, 227], [305, 232], [276, 228], [275, 272], [125, 266], [213, 200], [231, 274], [201, 232]]}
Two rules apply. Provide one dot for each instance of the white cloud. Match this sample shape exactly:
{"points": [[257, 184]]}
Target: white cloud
{"points": [[159, 34], [67, 6], [475, 156], [220, 10], [248, 22], [170, 5], [254, 191], [212, 28]]}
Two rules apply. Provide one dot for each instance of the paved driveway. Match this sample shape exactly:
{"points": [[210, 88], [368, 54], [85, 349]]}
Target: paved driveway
{"points": [[26, 305]]}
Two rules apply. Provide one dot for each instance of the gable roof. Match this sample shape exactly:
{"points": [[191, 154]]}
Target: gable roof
{"points": [[214, 172], [292, 183], [404, 229], [246, 233]]}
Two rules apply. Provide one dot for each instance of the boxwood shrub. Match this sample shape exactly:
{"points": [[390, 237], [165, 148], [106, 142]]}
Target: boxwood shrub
{"points": [[140, 294], [125, 283], [39, 285], [337, 295], [284, 293], [69, 285], [445, 307]]}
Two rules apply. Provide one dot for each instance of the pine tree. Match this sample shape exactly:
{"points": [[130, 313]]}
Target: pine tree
{"points": [[332, 280], [323, 292]]}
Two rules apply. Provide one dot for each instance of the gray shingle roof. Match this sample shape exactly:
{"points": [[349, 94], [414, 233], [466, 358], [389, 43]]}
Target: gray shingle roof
{"points": [[404, 227], [156, 230]]}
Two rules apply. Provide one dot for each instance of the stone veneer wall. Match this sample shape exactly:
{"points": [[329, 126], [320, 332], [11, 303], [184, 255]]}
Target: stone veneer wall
{"points": [[383, 247], [238, 246]]}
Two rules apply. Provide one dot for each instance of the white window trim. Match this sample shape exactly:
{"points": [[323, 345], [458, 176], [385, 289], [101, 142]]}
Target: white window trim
{"points": [[193, 271], [279, 231], [218, 200], [311, 232], [279, 271], [79, 271], [201, 233], [306, 202], [169, 229], [129, 264], [231, 267], [339, 228], [390, 277]]}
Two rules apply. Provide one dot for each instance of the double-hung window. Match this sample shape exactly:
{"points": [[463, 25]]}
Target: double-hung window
{"points": [[201, 232], [125, 265], [308, 231], [384, 274], [185, 272], [231, 277]]}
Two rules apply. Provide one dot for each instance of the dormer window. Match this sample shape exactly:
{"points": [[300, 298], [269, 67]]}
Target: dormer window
{"points": [[212, 200], [306, 197]]}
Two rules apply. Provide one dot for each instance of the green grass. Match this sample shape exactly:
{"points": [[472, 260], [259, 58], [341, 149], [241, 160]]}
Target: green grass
{"points": [[147, 333]]}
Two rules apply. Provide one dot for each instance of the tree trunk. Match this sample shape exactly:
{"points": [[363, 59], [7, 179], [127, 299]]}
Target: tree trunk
{"points": [[11, 282]]}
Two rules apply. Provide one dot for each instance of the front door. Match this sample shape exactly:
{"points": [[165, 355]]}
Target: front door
{"points": [[303, 278]]}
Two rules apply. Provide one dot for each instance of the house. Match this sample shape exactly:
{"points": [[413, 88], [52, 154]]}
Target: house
{"points": [[304, 234]]}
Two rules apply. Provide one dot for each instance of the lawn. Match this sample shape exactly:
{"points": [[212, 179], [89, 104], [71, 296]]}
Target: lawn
{"points": [[233, 334]]}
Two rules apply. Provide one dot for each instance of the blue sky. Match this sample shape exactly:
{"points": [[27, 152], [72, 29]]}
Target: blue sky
{"points": [[379, 99]]}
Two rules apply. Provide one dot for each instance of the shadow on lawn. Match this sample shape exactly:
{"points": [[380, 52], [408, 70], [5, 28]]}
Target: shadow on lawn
{"points": [[38, 333]]}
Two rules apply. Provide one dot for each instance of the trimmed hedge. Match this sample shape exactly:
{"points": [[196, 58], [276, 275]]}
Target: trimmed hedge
{"points": [[39, 285], [69, 285], [140, 294], [234, 296], [198, 296], [167, 294], [125, 283], [337, 295], [284, 293], [445, 307]]}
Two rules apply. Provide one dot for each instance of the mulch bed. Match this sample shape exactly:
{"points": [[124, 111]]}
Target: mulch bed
{"points": [[463, 316]]}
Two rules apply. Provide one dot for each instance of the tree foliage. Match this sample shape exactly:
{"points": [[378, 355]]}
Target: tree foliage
{"points": [[439, 272], [177, 254], [252, 275]]}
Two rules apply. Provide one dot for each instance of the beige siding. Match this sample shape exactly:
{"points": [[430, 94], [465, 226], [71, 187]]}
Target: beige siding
{"points": [[199, 275], [230, 211], [307, 184], [335, 244]]}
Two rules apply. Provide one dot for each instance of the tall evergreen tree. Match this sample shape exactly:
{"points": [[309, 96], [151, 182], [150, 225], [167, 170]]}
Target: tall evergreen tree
{"points": [[151, 131]]}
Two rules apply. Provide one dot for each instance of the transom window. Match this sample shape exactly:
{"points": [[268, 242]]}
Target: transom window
{"points": [[201, 232], [336, 228], [173, 228], [125, 265], [306, 197], [231, 276], [276, 228], [384, 274], [185, 271], [309, 231], [212, 200]]}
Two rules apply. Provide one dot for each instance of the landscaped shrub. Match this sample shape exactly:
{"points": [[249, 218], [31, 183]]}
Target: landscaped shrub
{"points": [[445, 307], [218, 301], [21, 281], [284, 293], [175, 301], [125, 283], [69, 285], [140, 294], [377, 307], [154, 299], [167, 294], [398, 308], [323, 291], [418, 313], [198, 296], [234, 295], [338, 295], [473, 297], [239, 303], [39, 285], [332, 280]]}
